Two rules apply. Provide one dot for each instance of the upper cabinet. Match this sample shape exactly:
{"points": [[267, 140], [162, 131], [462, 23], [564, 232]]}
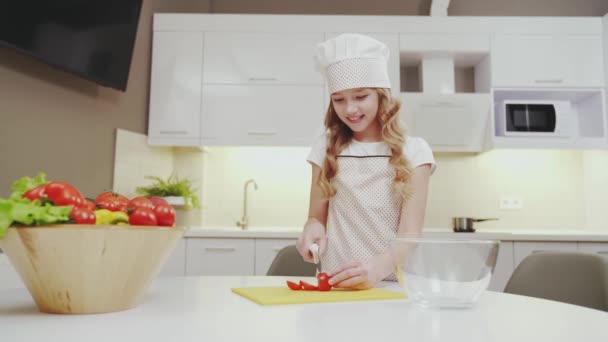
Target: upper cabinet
{"points": [[261, 88], [260, 58], [548, 61], [175, 89], [238, 80]]}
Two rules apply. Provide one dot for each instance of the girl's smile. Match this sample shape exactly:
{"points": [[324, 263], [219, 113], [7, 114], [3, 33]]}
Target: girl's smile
{"points": [[357, 108]]}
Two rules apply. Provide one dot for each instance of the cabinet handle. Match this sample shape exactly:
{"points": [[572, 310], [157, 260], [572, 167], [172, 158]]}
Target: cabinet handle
{"points": [[173, 132], [533, 252], [599, 252], [220, 249], [277, 249], [268, 133], [550, 80], [264, 79]]}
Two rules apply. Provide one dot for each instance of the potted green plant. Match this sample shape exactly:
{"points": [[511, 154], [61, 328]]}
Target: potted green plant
{"points": [[175, 190]]}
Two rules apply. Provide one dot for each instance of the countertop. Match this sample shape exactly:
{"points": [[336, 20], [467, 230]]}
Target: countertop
{"points": [[204, 309], [503, 235]]}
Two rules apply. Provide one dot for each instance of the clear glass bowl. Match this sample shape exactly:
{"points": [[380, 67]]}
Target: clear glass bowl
{"points": [[444, 273]]}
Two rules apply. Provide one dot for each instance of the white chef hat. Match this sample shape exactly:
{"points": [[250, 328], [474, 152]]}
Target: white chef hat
{"points": [[353, 61]]}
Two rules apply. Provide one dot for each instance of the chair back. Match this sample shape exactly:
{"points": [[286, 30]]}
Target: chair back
{"points": [[289, 262], [569, 277]]}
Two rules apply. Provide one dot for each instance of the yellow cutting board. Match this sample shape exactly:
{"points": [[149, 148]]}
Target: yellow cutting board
{"points": [[283, 295]]}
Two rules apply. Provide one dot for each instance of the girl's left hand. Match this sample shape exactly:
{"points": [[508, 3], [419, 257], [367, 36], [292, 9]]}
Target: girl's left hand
{"points": [[355, 275]]}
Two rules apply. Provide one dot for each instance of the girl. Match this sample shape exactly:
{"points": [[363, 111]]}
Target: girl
{"points": [[369, 181]]}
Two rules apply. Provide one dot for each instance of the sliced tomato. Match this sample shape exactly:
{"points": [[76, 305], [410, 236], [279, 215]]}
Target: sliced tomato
{"points": [[308, 287], [323, 280], [294, 286]]}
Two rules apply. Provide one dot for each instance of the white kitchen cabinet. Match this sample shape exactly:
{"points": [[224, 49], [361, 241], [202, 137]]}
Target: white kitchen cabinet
{"points": [[594, 247], [522, 249], [211, 256], [547, 60], [9, 278], [272, 115], [504, 267], [175, 89], [266, 250], [260, 58], [175, 266], [463, 118]]}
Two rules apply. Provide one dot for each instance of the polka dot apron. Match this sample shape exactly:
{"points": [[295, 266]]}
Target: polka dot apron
{"points": [[363, 216]]}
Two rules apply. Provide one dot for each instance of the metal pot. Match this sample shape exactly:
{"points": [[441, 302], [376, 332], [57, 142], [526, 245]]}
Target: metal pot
{"points": [[465, 224]]}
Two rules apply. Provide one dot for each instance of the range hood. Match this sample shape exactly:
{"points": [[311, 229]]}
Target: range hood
{"points": [[447, 120]]}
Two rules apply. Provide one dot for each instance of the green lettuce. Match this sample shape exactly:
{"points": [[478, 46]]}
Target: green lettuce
{"points": [[19, 210]]}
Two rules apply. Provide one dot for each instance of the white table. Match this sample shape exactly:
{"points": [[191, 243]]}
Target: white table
{"points": [[204, 309]]}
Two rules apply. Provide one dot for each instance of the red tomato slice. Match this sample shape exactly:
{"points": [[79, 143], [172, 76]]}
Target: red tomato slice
{"points": [[308, 287], [323, 279], [293, 286]]}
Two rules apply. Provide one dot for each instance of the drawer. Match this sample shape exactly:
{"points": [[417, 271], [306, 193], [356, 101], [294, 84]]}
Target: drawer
{"points": [[525, 248], [594, 247], [220, 257]]}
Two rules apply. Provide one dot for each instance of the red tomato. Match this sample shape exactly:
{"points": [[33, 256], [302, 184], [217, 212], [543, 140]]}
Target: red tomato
{"points": [[89, 205], [62, 193], [107, 194], [35, 193], [293, 286], [308, 287], [112, 201], [323, 279], [140, 202], [157, 200], [165, 214], [143, 217], [82, 215]]}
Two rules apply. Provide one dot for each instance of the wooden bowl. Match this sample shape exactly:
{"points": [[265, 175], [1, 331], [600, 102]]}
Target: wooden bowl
{"points": [[81, 269]]}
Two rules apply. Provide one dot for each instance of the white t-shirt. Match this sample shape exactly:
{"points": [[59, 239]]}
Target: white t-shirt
{"points": [[417, 151]]}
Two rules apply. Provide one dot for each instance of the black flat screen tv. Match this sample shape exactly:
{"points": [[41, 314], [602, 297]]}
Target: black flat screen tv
{"points": [[91, 38]]}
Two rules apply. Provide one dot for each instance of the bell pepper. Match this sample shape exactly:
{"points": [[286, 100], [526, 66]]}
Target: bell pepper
{"points": [[105, 216]]}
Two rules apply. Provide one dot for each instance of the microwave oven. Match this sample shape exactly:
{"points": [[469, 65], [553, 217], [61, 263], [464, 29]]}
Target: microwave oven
{"points": [[534, 118]]}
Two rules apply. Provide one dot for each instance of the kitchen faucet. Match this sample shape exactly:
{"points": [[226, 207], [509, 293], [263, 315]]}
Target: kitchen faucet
{"points": [[244, 222]]}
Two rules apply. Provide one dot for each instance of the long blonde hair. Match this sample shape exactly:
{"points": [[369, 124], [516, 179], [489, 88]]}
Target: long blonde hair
{"points": [[393, 134]]}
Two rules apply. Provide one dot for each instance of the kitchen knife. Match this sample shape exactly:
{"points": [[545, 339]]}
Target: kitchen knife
{"points": [[314, 250]]}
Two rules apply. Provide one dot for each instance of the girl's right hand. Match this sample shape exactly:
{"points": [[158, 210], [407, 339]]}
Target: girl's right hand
{"points": [[314, 232]]}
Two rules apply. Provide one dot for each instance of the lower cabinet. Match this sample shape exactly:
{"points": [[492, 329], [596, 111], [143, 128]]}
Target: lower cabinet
{"points": [[9, 278], [503, 268], [594, 247], [253, 256], [211, 256], [266, 250], [176, 262], [524, 248]]}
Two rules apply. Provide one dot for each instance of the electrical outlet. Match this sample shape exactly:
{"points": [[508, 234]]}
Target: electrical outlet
{"points": [[517, 203], [504, 203], [511, 203]]}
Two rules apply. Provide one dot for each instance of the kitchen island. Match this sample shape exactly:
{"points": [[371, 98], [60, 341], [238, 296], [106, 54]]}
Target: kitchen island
{"points": [[205, 309]]}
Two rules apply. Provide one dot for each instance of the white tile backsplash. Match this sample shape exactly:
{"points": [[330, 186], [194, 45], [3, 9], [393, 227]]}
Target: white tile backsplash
{"points": [[561, 189]]}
